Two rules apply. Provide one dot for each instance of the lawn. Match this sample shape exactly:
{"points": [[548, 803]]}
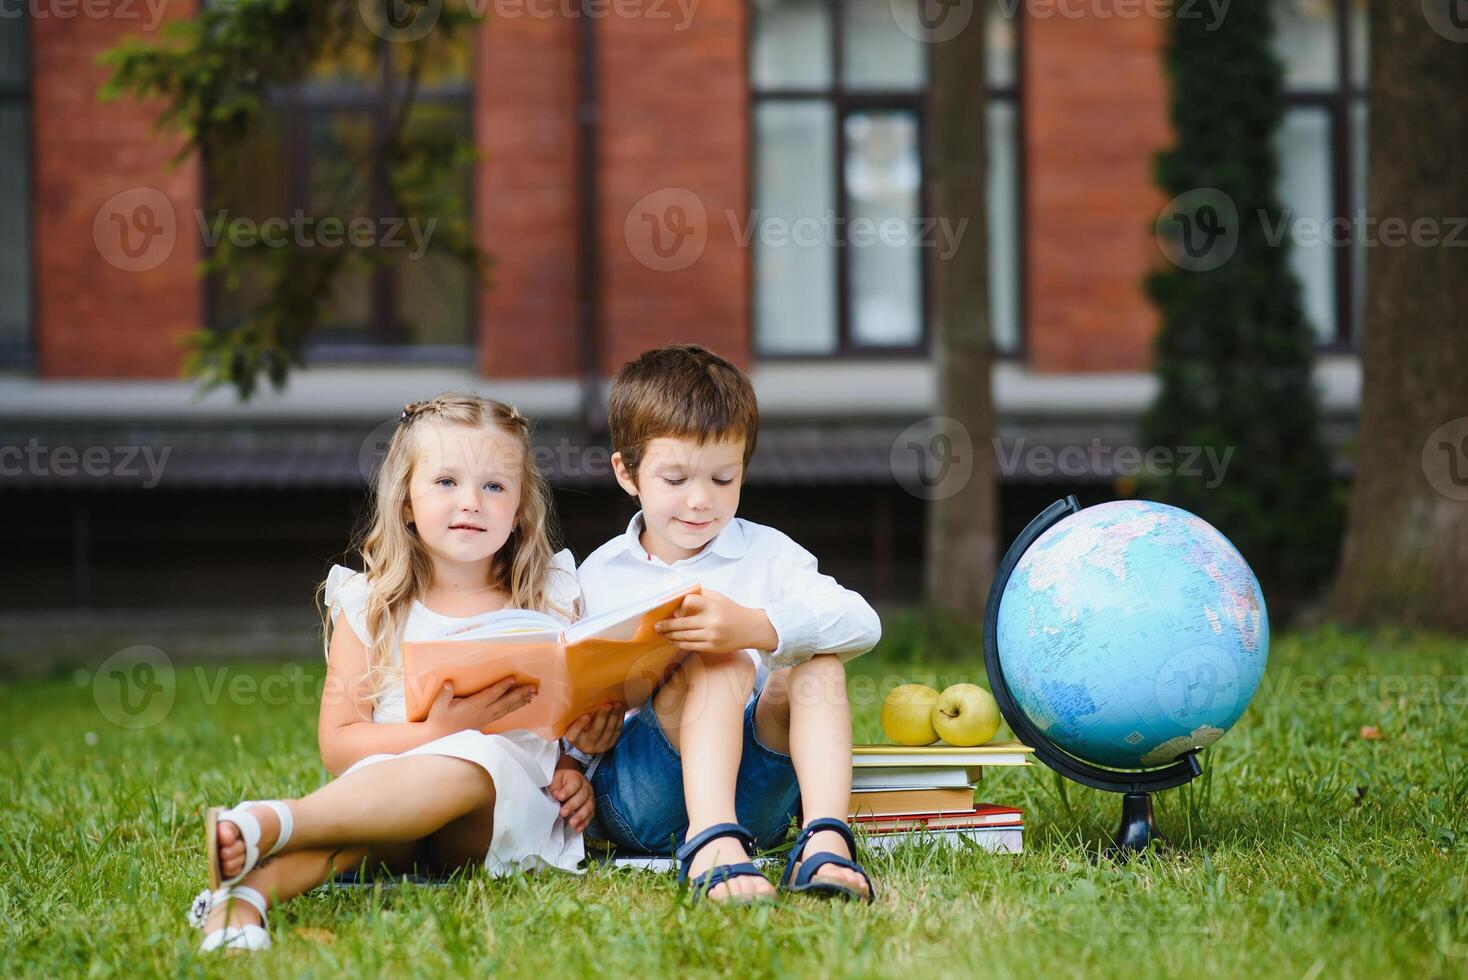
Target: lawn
{"points": [[1310, 849]]}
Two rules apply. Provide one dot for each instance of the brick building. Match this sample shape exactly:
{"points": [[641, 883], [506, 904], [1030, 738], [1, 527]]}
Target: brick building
{"points": [[657, 172]]}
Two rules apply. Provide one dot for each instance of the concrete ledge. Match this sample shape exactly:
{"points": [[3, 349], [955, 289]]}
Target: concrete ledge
{"points": [[830, 390]]}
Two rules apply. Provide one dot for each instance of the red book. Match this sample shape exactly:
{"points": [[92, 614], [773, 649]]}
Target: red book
{"points": [[983, 815]]}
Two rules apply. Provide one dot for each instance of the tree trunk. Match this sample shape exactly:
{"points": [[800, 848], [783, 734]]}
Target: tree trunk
{"points": [[1405, 555], [961, 542]]}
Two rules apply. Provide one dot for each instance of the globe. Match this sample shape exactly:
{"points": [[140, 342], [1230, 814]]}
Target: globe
{"points": [[1130, 633]]}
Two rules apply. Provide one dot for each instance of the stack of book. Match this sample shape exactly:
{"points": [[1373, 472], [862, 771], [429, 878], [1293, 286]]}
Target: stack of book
{"points": [[926, 794], [923, 795]]}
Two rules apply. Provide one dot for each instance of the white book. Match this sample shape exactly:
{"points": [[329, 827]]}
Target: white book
{"points": [[940, 756], [668, 865], [1003, 840], [880, 779]]}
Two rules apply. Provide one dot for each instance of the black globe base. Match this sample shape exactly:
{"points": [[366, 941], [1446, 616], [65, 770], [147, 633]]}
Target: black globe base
{"points": [[1137, 830]]}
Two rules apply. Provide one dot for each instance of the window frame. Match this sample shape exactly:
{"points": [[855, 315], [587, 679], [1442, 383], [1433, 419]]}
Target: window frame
{"points": [[844, 102], [22, 353], [296, 103], [1339, 102]]}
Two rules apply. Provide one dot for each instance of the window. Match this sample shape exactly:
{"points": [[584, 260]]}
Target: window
{"points": [[418, 306], [1322, 156], [839, 244], [15, 217]]}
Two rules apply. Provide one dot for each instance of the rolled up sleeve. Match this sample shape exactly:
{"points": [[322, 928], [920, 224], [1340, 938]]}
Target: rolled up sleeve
{"points": [[815, 615]]}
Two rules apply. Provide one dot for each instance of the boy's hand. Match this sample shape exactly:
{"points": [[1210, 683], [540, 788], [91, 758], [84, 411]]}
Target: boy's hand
{"points": [[595, 733], [711, 622], [572, 790]]}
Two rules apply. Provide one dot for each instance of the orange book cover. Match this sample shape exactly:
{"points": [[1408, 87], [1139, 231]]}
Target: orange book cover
{"points": [[617, 656]]}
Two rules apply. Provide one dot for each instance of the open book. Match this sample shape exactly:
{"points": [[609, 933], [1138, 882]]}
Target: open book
{"points": [[616, 656]]}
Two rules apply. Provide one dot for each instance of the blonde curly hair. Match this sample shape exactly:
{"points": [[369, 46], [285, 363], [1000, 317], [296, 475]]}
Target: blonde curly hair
{"points": [[395, 559]]}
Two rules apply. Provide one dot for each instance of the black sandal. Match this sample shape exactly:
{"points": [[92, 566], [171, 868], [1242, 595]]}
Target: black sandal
{"points": [[804, 879], [722, 872]]}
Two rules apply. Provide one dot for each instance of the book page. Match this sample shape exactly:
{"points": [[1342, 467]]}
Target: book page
{"points": [[622, 623], [522, 624]]}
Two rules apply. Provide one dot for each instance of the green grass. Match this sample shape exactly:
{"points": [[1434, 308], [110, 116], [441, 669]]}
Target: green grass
{"points": [[1306, 850]]}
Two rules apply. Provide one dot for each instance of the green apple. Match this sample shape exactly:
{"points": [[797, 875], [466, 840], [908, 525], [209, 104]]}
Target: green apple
{"points": [[907, 715], [966, 714]]}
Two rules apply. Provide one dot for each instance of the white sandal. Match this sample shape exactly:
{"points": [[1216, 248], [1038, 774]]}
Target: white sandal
{"points": [[249, 827], [250, 938]]}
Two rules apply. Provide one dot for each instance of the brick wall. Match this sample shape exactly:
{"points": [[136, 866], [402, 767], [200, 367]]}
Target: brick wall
{"points": [[673, 165], [525, 194], [115, 239], [1096, 111], [115, 274], [672, 135]]}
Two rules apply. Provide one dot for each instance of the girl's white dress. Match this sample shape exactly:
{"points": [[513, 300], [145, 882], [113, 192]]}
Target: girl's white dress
{"points": [[529, 832]]}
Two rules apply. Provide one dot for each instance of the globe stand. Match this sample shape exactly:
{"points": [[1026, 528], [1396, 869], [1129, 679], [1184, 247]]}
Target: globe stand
{"points": [[1137, 830]]}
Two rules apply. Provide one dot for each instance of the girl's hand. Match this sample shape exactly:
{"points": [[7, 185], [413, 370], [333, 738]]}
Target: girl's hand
{"points": [[711, 622], [572, 790], [450, 714], [597, 733]]}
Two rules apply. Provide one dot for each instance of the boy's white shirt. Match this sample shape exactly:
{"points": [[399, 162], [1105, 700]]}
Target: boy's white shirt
{"points": [[753, 565]]}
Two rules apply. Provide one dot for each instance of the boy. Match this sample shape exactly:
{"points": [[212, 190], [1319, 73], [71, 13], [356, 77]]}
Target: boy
{"points": [[755, 723]]}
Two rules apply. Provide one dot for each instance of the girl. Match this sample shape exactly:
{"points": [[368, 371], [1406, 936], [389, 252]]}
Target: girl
{"points": [[460, 528]]}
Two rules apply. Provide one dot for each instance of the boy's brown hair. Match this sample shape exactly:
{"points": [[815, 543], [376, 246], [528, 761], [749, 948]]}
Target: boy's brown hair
{"points": [[680, 391]]}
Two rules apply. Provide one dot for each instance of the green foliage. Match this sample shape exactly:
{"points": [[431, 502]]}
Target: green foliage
{"points": [[215, 75], [1235, 352], [1310, 851]]}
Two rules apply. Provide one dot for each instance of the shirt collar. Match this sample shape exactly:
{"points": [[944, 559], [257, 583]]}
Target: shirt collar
{"points": [[729, 543]]}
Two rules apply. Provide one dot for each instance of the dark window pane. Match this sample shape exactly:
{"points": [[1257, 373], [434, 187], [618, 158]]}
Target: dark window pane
{"points": [[1303, 143], [879, 53], [1305, 33], [1000, 43], [435, 288], [791, 44], [1360, 27], [308, 156], [883, 185], [1360, 121], [15, 255], [795, 261], [12, 47], [1004, 243]]}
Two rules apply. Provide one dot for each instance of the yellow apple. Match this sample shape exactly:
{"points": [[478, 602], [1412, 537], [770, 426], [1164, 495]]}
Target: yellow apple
{"points": [[966, 714], [907, 715]]}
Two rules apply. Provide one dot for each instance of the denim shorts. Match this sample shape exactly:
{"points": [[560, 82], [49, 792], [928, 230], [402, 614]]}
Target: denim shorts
{"points": [[639, 790]]}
